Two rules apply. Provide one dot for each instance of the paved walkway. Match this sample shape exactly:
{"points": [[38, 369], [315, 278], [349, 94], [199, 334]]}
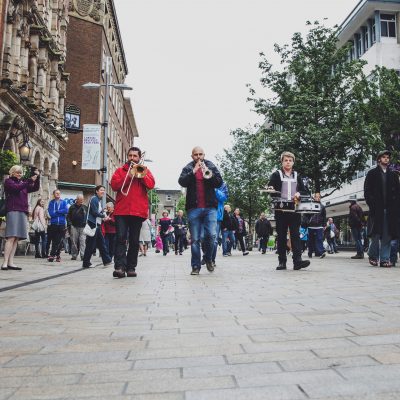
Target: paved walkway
{"points": [[244, 332]]}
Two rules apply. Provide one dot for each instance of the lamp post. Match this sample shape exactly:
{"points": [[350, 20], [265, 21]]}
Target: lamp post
{"points": [[106, 85]]}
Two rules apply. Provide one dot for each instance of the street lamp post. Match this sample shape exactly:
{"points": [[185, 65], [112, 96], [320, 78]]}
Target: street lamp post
{"points": [[106, 85]]}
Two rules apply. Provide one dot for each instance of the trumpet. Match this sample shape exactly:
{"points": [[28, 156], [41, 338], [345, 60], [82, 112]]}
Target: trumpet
{"points": [[207, 173], [138, 170]]}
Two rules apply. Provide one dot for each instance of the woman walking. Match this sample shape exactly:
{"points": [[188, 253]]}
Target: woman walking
{"points": [[165, 228], [240, 230], [94, 218], [16, 190], [145, 237], [39, 226]]}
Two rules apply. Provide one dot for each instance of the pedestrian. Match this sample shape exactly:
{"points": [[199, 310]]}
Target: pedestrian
{"points": [[382, 194], [16, 190], [57, 210], [145, 237], [95, 215], [228, 231], [179, 223], [39, 226], [222, 195], [316, 226], [304, 238], [331, 233], [164, 226], [264, 231], [108, 229], [356, 216], [201, 177], [290, 185], [131, 209], [77, 220], [240, 230]]}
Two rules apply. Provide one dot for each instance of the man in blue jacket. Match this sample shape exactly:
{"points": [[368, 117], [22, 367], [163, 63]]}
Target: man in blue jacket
{"points": [[221, 194], [57, 210]]}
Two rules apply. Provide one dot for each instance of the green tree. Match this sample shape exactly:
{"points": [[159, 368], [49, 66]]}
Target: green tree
{"points": [[318, 109], [154, 200], [7, 159], [384, 108], [246, 171], [181, 205]]}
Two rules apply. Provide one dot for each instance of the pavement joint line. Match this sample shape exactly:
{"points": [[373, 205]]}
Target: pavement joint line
{"points": [[303, 391], [19, 285]]}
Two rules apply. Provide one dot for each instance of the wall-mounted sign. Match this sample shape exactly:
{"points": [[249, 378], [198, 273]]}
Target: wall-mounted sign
{"points": [[91, 146], [72, 118]]}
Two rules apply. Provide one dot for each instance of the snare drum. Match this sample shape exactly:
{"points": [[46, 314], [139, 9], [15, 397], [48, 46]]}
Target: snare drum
{"points": [[283, 205], [308, 207]]}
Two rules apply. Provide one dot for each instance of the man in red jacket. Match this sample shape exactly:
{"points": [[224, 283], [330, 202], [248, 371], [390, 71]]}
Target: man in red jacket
{"points": [[131, 209]]}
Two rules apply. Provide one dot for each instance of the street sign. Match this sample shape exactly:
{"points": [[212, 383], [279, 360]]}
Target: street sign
{"points": [[91, 146]]}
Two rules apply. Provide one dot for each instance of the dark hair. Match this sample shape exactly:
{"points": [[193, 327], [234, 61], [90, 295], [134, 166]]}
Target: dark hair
{"points": [[135, 149], [98, 187]]}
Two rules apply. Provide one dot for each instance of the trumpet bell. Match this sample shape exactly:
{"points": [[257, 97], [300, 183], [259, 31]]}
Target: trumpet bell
{"points": [[139, 171]]}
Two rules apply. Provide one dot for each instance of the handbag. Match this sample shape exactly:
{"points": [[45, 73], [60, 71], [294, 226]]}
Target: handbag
{"points": [[37, 226], [87, 230], [332, 234]]}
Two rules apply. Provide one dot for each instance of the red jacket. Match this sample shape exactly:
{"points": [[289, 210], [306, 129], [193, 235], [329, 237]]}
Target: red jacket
{"points": [[136, 202]]}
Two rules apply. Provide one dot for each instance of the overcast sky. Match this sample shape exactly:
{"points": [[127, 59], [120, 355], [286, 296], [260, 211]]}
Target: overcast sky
{"points": [[189, 62]]}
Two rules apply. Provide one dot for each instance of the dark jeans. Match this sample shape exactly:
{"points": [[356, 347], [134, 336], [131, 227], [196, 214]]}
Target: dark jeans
{"points": [[40, 237], [240, 238], [165, 242], [218, 233], [91, 243], [55, 234], [263, 243], [109, 240], [179, 243], [356, 234], [291, 221], [125, 224], [315, 241]]}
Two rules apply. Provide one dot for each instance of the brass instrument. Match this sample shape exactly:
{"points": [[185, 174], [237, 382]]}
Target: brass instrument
{"points": [[207, 173], [138, 170]]}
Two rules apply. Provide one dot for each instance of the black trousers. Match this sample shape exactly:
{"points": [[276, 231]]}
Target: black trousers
{"points": [[291, 221], [91, 243], [127, 225], [179, 243], [55, 234], [240, 238]]}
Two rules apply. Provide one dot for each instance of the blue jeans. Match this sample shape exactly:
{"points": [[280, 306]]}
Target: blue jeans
{"points": [[202, 220], [356, 234], [379, 248], [91, 243], [227, 246], [218, 232], [394, 249], [316, 241]]}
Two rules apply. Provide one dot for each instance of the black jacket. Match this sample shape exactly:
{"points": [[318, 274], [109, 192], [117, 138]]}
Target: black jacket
{"points": [[188, 180], [318, 220], [276, 183], [263, 228], [77, 216], [373, 194], [356, 215], [179, 231], [236, 226], [227, 222]]}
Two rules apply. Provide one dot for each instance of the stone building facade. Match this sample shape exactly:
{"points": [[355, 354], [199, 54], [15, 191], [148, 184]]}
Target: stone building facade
{"points": [[33, 83], [93, 36]]}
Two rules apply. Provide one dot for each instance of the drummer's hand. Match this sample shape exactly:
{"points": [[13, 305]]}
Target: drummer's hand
{"points": [[297, 196]]}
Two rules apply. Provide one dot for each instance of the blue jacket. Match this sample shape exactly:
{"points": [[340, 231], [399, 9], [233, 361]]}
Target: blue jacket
{"points": [[57, 212], [94, 210], [222, 195]]}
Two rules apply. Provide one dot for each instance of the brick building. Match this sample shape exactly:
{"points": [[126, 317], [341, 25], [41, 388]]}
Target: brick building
{"points": [[33, 83], [93, 35]]}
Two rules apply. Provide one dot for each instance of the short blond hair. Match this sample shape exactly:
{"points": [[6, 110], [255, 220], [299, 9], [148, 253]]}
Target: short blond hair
{"points": [[288, 154], [14, 169]]}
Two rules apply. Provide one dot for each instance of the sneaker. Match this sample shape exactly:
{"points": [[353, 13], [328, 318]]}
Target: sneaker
{"points": [[176, 253], [245, 253], [195, 271], [50, 259], [203, 261], [263, 252], [281, 266], [87, 265], [225, 255], [322, 255], [301, 264], [73, 258], [131, 273], [180, 253], [58, 259], [107, 264], [213, 264], [118, 273], [229, 254], [209, 266]]}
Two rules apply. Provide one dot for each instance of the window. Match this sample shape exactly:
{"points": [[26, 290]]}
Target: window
{"points": [[388, 25], [168, 197], [359, 46], [366, 38], [373, 32]]}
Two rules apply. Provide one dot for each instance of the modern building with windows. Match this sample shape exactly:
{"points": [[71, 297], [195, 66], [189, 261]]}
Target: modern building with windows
{"points": [[373, 30]]}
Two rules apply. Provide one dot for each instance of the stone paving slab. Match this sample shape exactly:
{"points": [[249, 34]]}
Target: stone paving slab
{"points": [[244, 332]]}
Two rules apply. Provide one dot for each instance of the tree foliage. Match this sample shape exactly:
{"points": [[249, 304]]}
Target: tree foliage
{"points": [[154, 200], [246, 171], [7, 159], [318, 109], [181, 205], [384, 108]]}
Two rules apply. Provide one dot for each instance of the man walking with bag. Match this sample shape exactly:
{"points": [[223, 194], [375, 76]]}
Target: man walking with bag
{"points": [[77, 220]]}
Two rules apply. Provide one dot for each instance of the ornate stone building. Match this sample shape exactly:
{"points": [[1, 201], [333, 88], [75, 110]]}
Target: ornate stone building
{"points": [[33, 83], [93, 37]]}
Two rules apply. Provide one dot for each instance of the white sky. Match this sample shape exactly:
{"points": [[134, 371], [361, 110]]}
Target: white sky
{"points": [[189, 62]]}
